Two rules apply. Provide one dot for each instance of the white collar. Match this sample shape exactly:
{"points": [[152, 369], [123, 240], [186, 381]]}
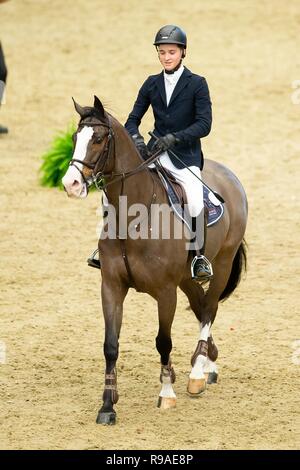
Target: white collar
{"points": [[174, 77]]}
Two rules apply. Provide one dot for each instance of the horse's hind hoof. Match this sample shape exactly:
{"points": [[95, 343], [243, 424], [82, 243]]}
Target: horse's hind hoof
{"points": [[165, 403], [106, 417], [212, 378], [196, 387]]}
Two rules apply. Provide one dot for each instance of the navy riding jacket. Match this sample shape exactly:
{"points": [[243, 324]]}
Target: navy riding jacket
{"points": [[188, 115]]}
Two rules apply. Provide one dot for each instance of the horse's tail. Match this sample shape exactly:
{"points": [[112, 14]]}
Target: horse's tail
{"points": [[238, 266]]}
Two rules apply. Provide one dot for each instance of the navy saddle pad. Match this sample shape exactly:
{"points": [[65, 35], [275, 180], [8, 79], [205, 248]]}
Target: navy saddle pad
{"points": [[214, 207]]}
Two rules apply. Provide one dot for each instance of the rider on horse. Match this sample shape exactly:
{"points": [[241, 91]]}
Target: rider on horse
{"points": [[182, 110]]}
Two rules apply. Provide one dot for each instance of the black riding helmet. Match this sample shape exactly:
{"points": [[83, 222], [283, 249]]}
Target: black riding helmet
{"points": [[170, 34]]}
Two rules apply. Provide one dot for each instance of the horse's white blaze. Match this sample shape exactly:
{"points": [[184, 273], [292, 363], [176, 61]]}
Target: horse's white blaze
{"points": [[73, 181], [197, 371], [83, 138]]}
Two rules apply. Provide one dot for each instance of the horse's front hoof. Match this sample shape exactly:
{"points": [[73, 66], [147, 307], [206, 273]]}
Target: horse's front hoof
{"points": [[165, 403], [106, 417], [196, 387], [212, 378]]}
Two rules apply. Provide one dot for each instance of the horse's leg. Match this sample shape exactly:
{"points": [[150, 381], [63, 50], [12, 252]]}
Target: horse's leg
{"points": [[210, 368], [204, 369], [113, 295], [166, 310], [206, 349]]}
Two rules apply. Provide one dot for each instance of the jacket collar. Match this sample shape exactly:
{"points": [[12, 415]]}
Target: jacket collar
{"points": [[181, 84]]}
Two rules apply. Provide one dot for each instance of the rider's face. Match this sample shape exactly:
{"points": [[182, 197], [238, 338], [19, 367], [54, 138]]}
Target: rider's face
{"points": [[169, 55]]}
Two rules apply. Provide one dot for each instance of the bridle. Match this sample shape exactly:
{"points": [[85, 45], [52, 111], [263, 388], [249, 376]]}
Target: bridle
{"points": [[98, 167]]}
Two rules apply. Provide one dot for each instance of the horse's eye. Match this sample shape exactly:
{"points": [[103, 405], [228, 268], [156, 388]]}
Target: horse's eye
{"points": [[98, 140]]}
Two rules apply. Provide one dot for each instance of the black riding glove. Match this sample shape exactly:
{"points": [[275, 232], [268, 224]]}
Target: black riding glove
{"points": [[164, 143], [140, 145]]}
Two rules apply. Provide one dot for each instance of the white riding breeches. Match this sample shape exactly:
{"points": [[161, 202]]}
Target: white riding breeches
{"points": [[192, 186]]}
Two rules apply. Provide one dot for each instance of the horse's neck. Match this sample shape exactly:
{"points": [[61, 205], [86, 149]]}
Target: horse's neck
{"points": [[126, 155], [137, 187]]}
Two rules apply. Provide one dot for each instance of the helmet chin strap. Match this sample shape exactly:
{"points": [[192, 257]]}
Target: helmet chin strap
{"points": [[169, 72]]}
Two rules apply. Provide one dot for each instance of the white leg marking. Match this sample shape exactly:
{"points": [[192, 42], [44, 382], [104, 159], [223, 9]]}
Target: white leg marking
{"points": [[205, 332], [167, 388], [167, 391], [210, 366], [197, 371]]}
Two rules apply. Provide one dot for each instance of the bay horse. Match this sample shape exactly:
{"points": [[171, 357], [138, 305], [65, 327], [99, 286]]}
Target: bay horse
{"points": [[104, 149]]}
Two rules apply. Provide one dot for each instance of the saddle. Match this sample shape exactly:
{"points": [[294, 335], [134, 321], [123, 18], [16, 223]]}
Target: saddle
{"points": [[214, 208]]}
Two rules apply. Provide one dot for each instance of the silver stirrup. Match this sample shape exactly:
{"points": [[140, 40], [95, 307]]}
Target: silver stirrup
{"points": [[93, 255], [207, 274]]}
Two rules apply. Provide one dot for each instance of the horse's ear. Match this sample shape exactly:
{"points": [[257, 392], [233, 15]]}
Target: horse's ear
{"points": [[78, 108], [99, 106]]}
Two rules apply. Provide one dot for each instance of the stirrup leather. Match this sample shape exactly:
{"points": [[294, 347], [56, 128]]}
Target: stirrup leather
{"points": [[201, 268], [93, 261]]}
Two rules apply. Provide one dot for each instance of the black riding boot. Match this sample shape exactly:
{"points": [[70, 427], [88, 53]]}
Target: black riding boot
{"points": [[93, 260], [201, 267]]}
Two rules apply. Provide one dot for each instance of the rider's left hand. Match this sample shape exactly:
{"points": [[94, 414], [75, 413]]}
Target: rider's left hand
{"points": [[164, 143]]}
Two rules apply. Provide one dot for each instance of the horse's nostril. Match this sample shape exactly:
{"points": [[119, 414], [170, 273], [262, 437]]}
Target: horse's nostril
{"points": [[75, 184]]}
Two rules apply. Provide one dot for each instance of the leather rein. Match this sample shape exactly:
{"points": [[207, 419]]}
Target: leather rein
{"points": [[104, 156]]}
